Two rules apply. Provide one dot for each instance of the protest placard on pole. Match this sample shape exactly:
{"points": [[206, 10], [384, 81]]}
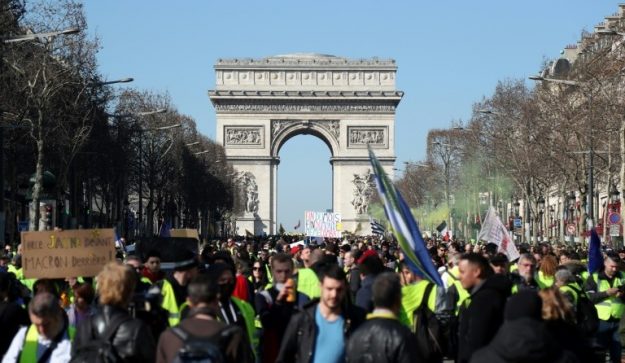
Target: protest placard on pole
{"points": [[72, 253], [323, 224], [184, 233]]}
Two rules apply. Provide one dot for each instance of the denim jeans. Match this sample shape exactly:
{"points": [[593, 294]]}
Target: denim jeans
{"points": [[608, 337]]}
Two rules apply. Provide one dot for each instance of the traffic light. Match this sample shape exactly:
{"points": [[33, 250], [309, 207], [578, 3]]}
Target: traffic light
{"points": [[48, 216]]}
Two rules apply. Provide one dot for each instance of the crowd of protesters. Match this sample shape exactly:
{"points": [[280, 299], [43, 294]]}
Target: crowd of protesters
{"points": [[350, 300]]}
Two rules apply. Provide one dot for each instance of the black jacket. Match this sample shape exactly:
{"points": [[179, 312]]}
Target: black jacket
{"points": [[133, 340], [479, 322], [274, 317], [298, 343], [523, 340], [382, 340], [354, 280], [12, 318]]}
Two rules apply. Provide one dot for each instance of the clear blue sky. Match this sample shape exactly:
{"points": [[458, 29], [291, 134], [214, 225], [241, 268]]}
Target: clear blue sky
{"points": [[449, 53]]}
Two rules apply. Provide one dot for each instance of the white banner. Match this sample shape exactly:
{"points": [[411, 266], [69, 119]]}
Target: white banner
{"points": [[493, 231], [323, 224]]}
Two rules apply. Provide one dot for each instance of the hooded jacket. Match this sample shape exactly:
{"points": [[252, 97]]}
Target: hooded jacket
{"points": [[482, 315], [523, 340]]}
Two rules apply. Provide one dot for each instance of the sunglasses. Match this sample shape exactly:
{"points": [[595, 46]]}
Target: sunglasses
{"points": [[256, 268]]}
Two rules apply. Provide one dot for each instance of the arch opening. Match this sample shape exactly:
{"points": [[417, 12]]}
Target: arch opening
{"points": [[304, 179]]}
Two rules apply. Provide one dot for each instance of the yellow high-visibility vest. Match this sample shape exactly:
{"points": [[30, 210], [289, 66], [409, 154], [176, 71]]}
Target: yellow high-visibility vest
{"points": [[411, 297], [612, 307]]}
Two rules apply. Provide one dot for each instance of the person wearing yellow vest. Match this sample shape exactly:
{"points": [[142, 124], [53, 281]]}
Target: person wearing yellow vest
{"points": [[412, 294], [201, 323], [525, 276], [605, 290], [231, 310], [47, 338], [307, 280], [546, 272], [565, 282], [174, 287]]}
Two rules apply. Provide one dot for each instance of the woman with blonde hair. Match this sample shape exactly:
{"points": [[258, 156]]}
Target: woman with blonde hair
{"points": [[559, 317], [131, 339]]}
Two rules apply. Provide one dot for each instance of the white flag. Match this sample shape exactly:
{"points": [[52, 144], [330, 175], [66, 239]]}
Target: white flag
{"points": [[494, 231]]}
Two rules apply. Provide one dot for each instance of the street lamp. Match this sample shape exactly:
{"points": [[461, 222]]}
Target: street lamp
{"points": [[591, 188], [517, 208], [541, 212], [552, 213], [141, 131], [137, 114], [554, 80], [40, 36], [18, 39], [572, 200], [123, 80], [614, 195], [446, 159]]}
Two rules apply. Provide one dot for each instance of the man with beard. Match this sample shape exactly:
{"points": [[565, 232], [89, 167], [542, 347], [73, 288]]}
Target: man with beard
{"points": [[525, 277], [319, 332]]}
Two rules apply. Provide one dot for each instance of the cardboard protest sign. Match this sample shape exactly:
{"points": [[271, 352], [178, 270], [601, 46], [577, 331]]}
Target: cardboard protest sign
{"points": [[171, 249], [323, 224], [184, 233], [72, 253]]}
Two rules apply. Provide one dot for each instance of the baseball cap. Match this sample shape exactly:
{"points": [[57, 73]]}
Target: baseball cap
{"points": [[366, 254]]}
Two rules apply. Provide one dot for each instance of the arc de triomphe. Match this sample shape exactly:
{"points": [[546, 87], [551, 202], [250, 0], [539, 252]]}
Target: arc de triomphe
{"points": [[262, 103]]}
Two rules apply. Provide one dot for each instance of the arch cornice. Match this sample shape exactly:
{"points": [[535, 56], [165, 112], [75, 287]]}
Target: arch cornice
{"points": [[283, 130]]}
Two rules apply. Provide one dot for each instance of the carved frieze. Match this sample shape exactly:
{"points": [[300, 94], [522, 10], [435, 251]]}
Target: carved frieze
{"points": [[332, 126], [249, 107], [360, 137], [244, 136]]}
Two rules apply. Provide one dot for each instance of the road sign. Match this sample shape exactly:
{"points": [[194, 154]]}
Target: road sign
{"points": [[570, 229], [518, 223], [614, 218], [615, 230]]}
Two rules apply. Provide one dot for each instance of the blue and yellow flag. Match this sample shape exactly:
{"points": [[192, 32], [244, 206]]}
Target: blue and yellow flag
{"points": [[404, 226]]}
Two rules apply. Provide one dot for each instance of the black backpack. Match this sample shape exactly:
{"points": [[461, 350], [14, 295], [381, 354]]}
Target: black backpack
{"points": [[100, 349], [201, 349], [428, 330], [586, 313]]}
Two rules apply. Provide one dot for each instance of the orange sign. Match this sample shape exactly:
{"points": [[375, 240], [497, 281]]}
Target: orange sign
{"points": [[73, 253]]}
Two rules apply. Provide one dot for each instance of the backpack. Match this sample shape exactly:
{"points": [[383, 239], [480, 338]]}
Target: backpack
{"points": [[201, 349], [585, 313], [428, 330], [100, 349]]}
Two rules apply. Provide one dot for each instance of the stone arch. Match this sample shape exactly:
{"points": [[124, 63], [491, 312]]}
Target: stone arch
{"points": [[260, 104], [292, 128]]}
